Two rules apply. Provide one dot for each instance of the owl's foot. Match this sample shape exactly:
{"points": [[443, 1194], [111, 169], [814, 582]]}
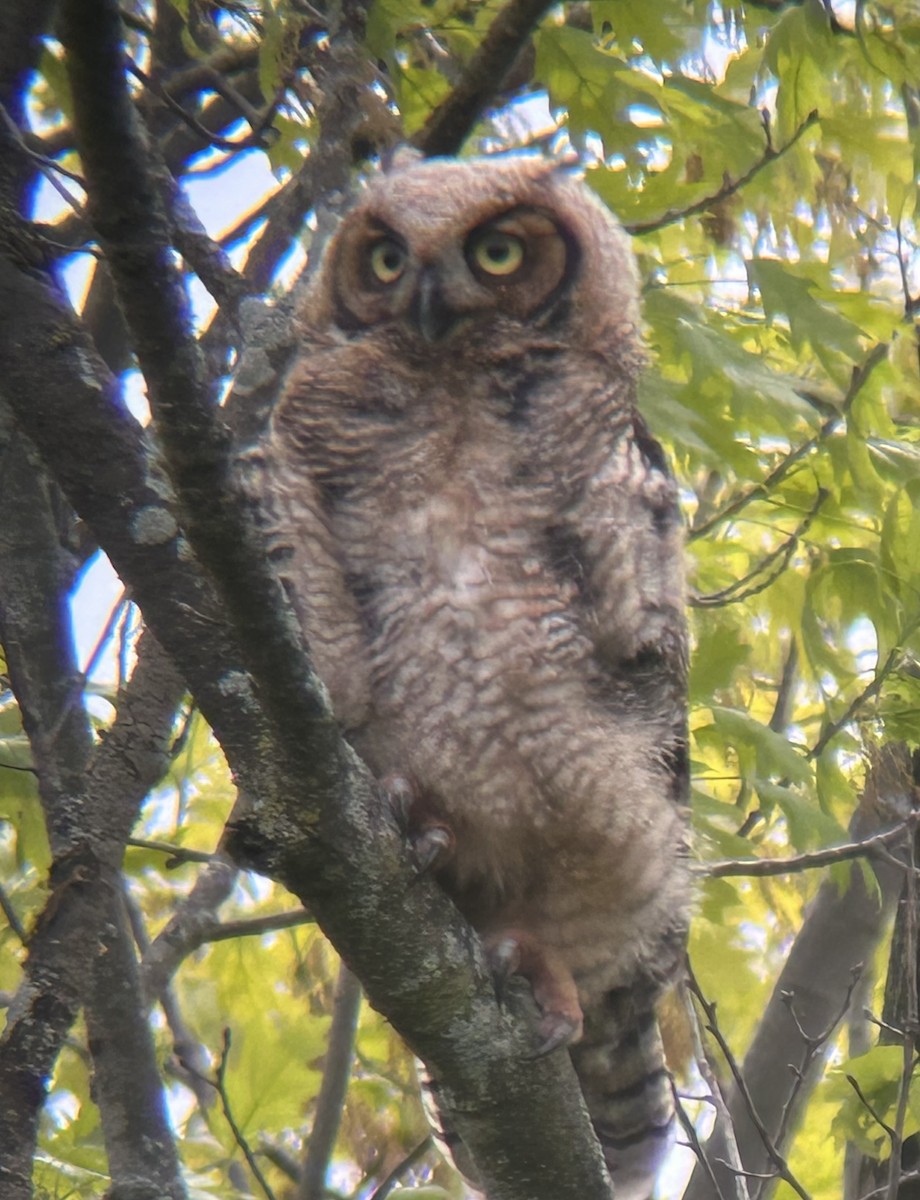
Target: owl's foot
{"points": [[516, 952], [431, 842]]}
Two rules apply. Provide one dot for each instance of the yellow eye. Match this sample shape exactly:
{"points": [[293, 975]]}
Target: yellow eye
{"points": [[498, 253], [388, 260]]}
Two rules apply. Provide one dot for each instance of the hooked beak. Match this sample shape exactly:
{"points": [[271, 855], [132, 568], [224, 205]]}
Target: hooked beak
{"points": [[432, 315]]}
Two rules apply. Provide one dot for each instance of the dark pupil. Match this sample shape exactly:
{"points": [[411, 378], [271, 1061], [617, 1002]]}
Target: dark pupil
{"points": [[498, 252], [392, 259]]}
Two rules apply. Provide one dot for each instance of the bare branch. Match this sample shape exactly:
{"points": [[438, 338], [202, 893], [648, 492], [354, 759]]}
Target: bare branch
{"points": [[814, 858], [782, 1167], [695, 1144], [177, 854], [872, 689], [728, 188], [256, 138], [231, 1120], [451, 122], [870, 1109], [331, 1098], [189, 925]]}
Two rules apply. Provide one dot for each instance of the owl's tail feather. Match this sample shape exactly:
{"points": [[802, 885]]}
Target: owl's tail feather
{"points": [[621, 1067], [627, 1088]]}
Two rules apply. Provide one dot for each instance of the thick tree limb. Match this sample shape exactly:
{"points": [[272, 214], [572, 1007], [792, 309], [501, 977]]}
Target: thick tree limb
{"points": [[319, 826], [143, 1163], [90, 800], [452, 121]]}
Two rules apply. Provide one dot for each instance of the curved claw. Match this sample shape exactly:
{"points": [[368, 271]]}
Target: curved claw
{"points": [[431, 842], [432, 847], [401, 793], [504, 956], [519, 952], [558, 1029]]}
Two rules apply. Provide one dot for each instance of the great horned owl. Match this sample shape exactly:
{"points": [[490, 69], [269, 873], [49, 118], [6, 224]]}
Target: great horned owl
{"points": [[483, 543]]}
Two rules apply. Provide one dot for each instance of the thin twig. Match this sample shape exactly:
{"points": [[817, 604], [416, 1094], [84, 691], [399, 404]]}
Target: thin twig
{"points": [[48, 167], [690, 1130], [773, 1152], [880, 1024], [813, 859], [710, 1078], [872, 689], [12, 917], [729, 188], [904, 1177], [812, 1046], [178, 854], [231, 1121], [255, 139], [737, 592], [860, 374], [223, 931], [79, 683], [870, 1109], [383, 1189]]}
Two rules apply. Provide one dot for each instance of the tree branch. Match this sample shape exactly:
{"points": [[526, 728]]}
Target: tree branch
{"points": [[728, 188], [90, 800], [813, 859], [840, 932], [859, 376], [319, 826], [331, 1098], [143, 1163], [451, 123]]}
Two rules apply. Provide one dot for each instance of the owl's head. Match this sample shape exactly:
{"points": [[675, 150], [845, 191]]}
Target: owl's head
{"points": [[439, 248]]}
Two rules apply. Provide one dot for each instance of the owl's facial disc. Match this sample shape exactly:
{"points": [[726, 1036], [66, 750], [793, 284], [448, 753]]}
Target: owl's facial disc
{"points": [[435, 280], [514, 264]]}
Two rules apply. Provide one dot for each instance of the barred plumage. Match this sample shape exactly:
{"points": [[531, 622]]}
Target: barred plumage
{"points": [[483, 543]]}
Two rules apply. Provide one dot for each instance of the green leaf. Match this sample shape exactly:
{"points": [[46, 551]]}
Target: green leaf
{"points": [[786, 292], [809, 827], [773, 753], [799, 51]]}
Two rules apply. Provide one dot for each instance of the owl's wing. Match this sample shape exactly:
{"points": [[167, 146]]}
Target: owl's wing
{"points": [[621, 542], [303, 549]]}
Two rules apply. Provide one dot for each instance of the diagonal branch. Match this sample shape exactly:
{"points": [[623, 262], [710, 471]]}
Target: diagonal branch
{"points": [[452, 121], [728, 188], [319, 825], [859, 376]]}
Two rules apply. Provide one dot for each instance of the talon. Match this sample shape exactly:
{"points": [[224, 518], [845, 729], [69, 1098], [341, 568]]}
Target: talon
{"points": [[431, 842], [518, 952], [402, 794], [432, 847], [557, 1029], [504, 958]]}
